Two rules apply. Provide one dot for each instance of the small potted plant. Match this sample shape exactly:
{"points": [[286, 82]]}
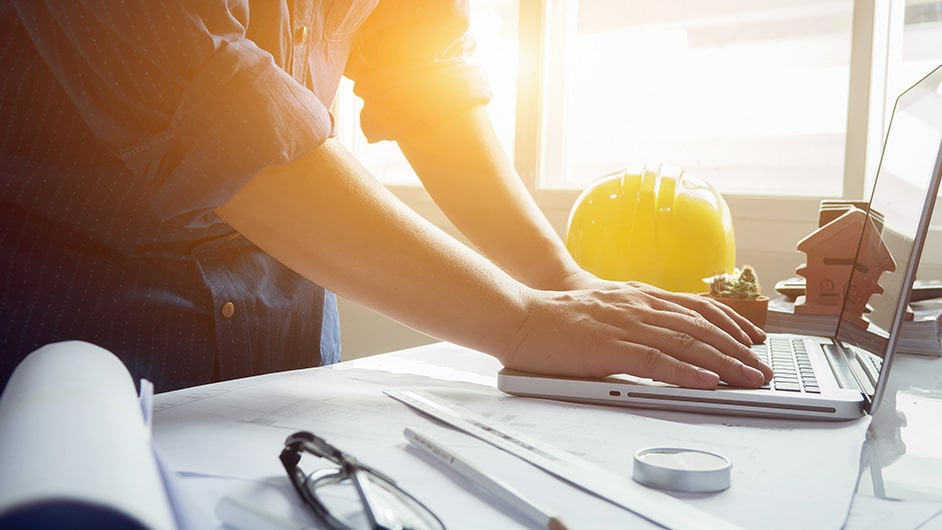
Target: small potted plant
{"points": [[741, 291]]}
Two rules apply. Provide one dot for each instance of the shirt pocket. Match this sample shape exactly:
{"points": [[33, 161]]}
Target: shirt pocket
{"points": [[343, 17]]}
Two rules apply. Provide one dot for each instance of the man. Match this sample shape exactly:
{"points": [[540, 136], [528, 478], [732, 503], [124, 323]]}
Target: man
{"points": [[171, 192]]}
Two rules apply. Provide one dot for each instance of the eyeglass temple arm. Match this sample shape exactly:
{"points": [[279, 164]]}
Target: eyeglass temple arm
{"points": [[290, 456]]}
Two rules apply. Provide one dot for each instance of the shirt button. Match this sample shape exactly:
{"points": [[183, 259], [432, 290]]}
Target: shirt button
{"points": [[301, 34], [228, 309]]}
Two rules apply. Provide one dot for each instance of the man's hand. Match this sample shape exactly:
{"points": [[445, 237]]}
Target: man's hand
{"points": [[635, 328], [583, 279]]}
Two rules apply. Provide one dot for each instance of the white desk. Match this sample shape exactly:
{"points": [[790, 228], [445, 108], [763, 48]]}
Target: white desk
{"points": [[902, 457], [224, 439]]}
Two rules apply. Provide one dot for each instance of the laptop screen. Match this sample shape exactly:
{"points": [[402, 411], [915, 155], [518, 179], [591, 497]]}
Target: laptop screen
{"points": [[900, 209]]}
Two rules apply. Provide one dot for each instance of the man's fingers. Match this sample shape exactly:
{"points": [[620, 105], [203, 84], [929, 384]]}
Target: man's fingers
{"points": [[755, 333], [717, 313], [644, 361], [690, 351], [695, 340]]}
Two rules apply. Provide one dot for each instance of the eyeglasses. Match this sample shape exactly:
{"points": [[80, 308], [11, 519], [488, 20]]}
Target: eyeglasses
{"points": [[377, 504]]}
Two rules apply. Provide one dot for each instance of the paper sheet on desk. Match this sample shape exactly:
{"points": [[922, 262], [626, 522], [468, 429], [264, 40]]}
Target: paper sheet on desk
{"points": [[785, 474], [872, 513]]}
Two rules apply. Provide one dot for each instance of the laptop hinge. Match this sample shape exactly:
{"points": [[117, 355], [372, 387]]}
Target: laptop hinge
{"points": [[864, 373], [841, 362]]}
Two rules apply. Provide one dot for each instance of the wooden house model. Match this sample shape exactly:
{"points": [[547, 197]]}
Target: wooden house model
{"points": [[830, 252]]}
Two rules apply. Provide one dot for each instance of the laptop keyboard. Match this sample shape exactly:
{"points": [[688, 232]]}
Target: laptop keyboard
{"points": [[789, 360], [871, 365]]}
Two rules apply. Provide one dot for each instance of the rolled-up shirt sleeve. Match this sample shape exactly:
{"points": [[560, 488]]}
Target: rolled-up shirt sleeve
{"points": [[179, 93], [411, 64]]}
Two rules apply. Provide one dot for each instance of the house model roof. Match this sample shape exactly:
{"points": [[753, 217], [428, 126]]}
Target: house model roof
{"points": [[831, 250]]}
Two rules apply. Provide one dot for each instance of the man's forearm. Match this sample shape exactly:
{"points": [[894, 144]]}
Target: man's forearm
{"points": [[325, 217], [467, 172]]}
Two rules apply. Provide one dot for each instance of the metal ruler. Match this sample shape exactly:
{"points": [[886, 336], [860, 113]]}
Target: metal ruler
{"points": [[657, 507]]}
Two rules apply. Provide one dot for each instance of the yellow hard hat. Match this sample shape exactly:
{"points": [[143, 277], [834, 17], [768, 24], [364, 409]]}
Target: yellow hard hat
{"points": [[660, 226]]}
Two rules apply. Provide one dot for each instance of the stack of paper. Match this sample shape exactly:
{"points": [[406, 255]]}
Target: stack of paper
{"points": [[921, 336]]}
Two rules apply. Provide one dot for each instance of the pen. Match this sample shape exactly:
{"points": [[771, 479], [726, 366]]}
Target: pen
{"points": [[492, 485]]}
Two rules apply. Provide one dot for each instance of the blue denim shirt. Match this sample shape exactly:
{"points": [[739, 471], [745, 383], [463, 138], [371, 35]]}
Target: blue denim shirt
{"points": [[125, 126]]}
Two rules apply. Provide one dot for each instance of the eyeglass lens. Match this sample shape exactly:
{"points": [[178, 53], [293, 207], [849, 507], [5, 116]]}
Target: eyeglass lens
{"points": [[391, 508]]}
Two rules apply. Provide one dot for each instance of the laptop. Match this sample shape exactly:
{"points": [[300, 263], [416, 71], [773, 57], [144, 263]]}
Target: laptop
{"points": [[829, 378]]}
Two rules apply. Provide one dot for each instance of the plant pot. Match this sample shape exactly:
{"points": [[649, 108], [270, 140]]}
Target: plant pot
{"points": [[756, 309]]}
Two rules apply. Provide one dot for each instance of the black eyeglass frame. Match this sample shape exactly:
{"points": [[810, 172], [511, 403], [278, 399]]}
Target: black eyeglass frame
{"points": [[347, 467]]}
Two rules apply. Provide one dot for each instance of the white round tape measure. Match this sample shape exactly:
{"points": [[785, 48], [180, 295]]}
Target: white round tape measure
{"points": [[677, 469]]}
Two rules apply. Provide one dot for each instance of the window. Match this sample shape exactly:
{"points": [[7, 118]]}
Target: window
{"points": [[753, 95], [908, 46], [915, 43]]}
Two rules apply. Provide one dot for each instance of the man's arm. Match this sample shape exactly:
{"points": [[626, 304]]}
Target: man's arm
{"points": [[325, 217], [328, 219], [465, 169]]}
